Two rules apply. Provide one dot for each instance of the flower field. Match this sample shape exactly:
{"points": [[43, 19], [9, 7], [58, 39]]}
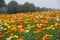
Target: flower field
{"points": [[30, 26]]}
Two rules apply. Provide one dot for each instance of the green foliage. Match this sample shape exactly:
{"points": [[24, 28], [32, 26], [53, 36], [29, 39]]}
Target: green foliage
{"points": [[12, 7], [28, 7], [2, 3]]}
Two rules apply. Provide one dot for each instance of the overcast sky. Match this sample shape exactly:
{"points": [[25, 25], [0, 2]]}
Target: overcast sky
{"points": [[41, 3]]}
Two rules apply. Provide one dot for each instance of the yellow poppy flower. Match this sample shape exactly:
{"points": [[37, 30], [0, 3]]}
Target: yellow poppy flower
{"points": [[36, 32], [16, 36], [48, 28], [53, 28], [38, 25], [14, 28], [48, 35], [6, 21], [29, 28], [33, 26], [35, 20], [11, 36], [8, 26], [4, 28], [56, 24]]}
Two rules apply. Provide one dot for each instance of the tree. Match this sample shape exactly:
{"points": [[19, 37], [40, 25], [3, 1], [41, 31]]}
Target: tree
{"points": [[12, 7], [44, 9], [32, 8], [2, 6], [26, 7], [2, 3], [20, 8], [38, 9], [29, 7]]}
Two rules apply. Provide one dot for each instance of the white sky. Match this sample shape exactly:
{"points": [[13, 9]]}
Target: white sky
{"points": [[41, 3]]}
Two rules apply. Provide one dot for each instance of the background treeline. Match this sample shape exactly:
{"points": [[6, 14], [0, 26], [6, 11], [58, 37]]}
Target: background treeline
{"points": [[14, 7]]}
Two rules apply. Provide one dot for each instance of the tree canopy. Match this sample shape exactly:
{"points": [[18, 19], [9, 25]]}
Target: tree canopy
{"points": [[12, 7], [2, 3]]}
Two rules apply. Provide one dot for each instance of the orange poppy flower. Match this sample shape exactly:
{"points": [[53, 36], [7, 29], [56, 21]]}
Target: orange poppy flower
{"points": [[20, 39], [8, 32], [48, 19], [0, 33], [40, 30], [1, 36], [17, 22], [42, 21], [21, 18], [43, 24], [13, 21], [21, 23], [25, 22], [46, 38], [38, 37], [0, 22], [34, 17], [21, 30]]}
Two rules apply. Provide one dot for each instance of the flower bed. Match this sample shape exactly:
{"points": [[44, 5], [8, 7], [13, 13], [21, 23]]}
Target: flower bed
{"points": [[30, 26]]}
